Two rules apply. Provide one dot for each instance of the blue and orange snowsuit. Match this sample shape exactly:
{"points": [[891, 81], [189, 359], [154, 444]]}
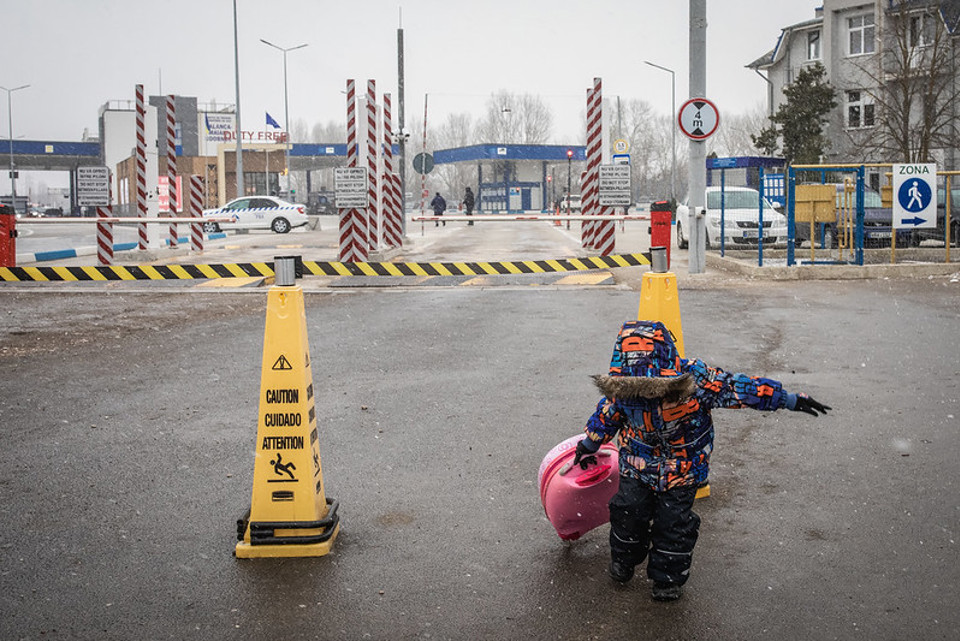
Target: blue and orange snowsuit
{"points": [[658, 405]]}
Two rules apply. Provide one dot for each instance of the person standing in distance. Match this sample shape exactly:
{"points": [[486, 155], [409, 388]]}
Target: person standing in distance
{"points": [[468, 202], [439, 206]]}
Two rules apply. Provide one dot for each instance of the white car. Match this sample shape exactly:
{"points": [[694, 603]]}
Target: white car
{"points": [[575, 205], [257, 212], [741, 215]]}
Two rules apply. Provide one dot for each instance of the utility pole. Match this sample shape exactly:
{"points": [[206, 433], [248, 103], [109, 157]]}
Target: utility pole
{"points": [[698, 150], [236, 71]]}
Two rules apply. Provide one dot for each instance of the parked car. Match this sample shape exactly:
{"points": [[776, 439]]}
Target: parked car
{"points": [[741, 217], [575, 205], [321, 204], [938, 232], [257, 212], [877, 223]]}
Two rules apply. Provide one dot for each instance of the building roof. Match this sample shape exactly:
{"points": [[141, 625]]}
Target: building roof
{"points": [[509, 152], [776, 53]]}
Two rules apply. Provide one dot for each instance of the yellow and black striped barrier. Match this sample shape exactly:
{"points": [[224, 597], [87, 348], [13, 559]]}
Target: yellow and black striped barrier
{"points": [[316, 268]]}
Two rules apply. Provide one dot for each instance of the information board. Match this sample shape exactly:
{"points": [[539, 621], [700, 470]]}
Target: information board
{"points": [[350, 184], [614, 185], [93, 186]]}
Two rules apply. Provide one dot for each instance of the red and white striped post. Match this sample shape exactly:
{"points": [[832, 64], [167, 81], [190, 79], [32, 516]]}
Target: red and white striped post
{"points": [[172, 165], [105, 232], [423, 176], [392, 223], [196, 211], [589, 190], [604, 231], [373, 184], [141, 158], [353, 227]]}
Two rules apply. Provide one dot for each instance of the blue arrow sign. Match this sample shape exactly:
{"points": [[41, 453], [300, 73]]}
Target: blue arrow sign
{"points": [[915, 221]]}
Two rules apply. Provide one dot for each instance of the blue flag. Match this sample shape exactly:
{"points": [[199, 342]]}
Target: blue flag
{"points": [[272, 123]]}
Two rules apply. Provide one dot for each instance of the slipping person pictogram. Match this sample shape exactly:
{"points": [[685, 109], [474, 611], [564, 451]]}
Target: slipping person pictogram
{"points": [[279, 467], [659, 406]]}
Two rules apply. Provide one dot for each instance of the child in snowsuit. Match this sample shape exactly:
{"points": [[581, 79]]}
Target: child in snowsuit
{"points": [[660, 405]]}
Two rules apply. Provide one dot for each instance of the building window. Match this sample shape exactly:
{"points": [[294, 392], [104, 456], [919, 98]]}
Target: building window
{"points": [[861, 34], [861, 112], [813, 45], [916, 32]]}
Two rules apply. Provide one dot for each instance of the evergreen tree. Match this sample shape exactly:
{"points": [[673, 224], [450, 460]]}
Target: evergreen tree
{"points": [[800, 120]]}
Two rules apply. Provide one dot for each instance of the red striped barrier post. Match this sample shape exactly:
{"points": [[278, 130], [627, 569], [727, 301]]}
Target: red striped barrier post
{"points": [[196, 211], [423, 176], [373, 184], [590, 189], [105, 232], [353, 228], [172, 165], [604, 231], [141, 162], [392, 223]]}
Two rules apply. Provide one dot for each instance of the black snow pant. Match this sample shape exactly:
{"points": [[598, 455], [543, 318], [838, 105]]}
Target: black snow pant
{"points": [[662, 524]]}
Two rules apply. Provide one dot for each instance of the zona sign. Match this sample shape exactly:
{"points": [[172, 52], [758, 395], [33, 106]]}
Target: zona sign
{"points": [[698, 118]]}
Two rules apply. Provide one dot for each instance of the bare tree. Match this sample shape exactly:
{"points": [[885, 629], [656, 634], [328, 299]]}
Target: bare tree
{"points": [[331, 131], [516, 119], [734, 136], [650, 136], [914, 76], [456, 131]]}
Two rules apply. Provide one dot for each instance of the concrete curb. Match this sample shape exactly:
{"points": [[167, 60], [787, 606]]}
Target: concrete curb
{"points": [[91, 250]]}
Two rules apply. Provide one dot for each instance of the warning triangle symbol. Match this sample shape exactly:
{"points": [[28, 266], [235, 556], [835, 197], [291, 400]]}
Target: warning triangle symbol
{"points": [[282, 363], [699, 104], [697, 132]]}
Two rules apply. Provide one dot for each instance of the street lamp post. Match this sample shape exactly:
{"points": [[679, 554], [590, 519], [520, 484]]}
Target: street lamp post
{"points": [[13, 180], [286, 111], [673, 126]]}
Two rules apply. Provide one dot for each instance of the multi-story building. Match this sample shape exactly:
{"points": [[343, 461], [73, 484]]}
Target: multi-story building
{"points": [[893, 66]]}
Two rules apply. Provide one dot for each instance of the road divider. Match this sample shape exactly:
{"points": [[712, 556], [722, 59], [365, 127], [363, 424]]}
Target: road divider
{"points": [[317, 268]]}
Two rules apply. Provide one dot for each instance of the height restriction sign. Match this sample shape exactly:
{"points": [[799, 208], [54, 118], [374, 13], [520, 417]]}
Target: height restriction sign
{"points": [[698, 118]]}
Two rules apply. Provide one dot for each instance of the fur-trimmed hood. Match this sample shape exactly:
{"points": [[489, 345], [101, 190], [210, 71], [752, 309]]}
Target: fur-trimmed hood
{"points": [[628, 388]]}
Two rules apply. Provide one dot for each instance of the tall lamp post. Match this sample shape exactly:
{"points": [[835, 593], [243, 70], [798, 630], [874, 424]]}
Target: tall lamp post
{"points": [[236, 72], [13, 180], [673, 126], [286, 111]]}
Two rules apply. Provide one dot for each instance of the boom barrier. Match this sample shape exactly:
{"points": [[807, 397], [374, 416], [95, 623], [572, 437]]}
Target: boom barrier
{"points": [[316, 268]]}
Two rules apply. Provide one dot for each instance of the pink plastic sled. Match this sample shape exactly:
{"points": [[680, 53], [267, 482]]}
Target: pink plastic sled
{"points": [[576, 500]]}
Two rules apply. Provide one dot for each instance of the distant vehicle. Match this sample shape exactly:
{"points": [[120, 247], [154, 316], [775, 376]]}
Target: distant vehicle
{"points": [[877, 223], [321, 204], [741, 218], [53, 212], [575, 205], [257, 212]]}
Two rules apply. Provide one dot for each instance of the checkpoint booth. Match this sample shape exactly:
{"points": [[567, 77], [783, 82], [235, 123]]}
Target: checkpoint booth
{"points": [[751, 171], [519, 178]]}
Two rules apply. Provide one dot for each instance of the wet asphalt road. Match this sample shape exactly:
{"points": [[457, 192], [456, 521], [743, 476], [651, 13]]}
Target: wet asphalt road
{"points": [[128, 422]]}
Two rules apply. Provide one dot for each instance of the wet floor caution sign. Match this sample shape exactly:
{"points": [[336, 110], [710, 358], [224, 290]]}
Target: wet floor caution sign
{"points": [[290, 515]]}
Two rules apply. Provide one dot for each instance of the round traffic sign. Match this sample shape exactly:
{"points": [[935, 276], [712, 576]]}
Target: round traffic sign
{"points": [[423, 163], [621, 146], [914, 195], [698, 118]]}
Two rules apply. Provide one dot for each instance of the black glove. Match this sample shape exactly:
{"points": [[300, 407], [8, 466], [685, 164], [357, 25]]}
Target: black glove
{"points": [[810, 406], [584, 456]]}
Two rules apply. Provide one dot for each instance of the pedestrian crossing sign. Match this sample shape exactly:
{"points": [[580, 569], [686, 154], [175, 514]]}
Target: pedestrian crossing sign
{"points": [[914, 196]]}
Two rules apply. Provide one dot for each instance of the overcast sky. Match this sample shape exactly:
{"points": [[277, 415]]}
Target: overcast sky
{"points": [[77, 55]]}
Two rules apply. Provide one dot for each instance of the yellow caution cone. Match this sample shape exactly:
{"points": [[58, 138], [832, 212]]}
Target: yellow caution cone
{"points": [[659, 301], [289, 516], [658, 297]]}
